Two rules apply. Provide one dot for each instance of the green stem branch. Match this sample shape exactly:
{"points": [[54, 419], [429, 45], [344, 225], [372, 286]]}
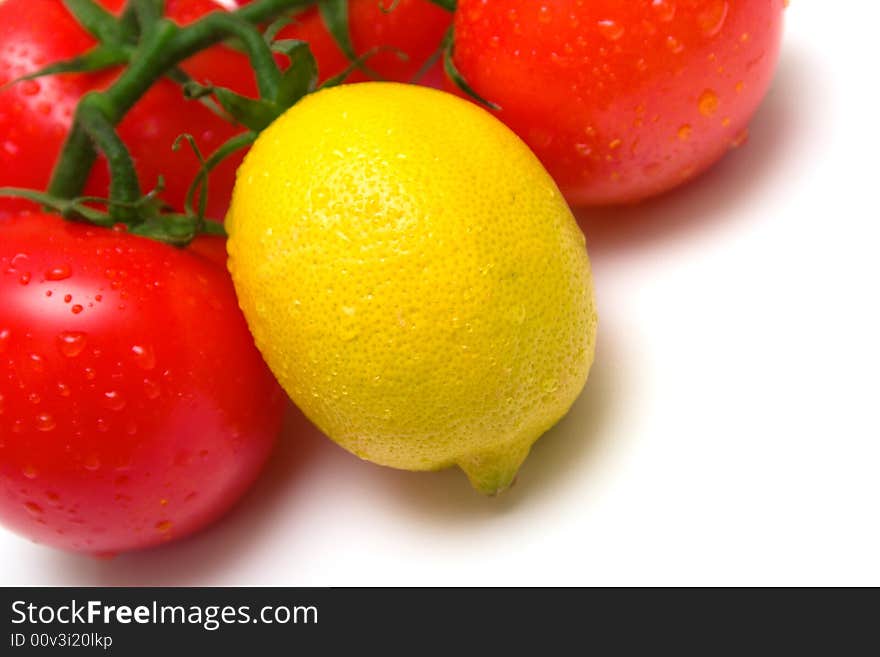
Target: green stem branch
{"points": [[258, 50], [163, 46], [125, 189], [97, 21]]}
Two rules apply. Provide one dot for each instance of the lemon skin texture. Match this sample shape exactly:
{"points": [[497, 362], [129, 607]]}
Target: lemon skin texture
{"points": [[414, 278]]}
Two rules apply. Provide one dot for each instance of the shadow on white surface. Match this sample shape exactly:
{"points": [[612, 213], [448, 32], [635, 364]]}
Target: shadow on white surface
{"points": [[716, 195], [566, 451], [194, 561]]}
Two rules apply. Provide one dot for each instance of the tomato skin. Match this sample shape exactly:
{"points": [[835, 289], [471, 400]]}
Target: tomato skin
{"points": [[414, 27], [134, 406], [621, 100], [35, 116]]}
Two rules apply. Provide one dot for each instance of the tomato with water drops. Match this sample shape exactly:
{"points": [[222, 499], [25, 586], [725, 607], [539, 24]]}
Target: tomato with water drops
{"points": [[97, 405], [621, 100]]}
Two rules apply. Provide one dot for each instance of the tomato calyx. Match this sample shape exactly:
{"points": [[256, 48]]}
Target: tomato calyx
{"points": [[153, 222], [151, 46]]}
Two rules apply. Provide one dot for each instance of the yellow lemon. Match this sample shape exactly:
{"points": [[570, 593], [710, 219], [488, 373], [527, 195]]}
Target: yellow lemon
{"points": [[414, 278]]}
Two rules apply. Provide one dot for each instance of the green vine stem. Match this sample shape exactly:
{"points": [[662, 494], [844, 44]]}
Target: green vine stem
{"points": [[98, 22], [163, 45], [124, 184]]}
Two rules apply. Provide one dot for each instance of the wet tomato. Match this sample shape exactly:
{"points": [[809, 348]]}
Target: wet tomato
{"points": [[134, 407], [621, 100]]}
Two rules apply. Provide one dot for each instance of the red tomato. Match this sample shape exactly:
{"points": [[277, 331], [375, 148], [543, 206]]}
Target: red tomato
{"points": [[414, 27], [134, 406], [621, 100], [35, 116]]}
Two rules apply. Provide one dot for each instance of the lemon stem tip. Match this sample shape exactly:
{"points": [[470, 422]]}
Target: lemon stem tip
{"points": [[493, 473]]}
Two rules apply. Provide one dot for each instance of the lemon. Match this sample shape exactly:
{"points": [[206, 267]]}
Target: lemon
{"points": [[413, 278]]}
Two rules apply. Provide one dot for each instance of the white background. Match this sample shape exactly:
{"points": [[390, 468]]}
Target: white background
{"points": [[729, 433]]}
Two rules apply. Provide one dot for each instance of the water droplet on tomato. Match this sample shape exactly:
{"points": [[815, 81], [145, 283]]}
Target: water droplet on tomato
{"points": [[712, 18], [5, 337], [63, 389], [33, 508], [708, 103], [92, 462], [68, 298], [540, 138], [151, 389], [583, 150], [29, 471], [72, 343], [741, 138], [684, 132], [58, 273], [25, 278], [10, 147], [144, 357], [36, 362], [113, 400], [674, 44], [45, 422], [30, 87], [610, 29], [76, 309], [664, 10], [164, 526]]}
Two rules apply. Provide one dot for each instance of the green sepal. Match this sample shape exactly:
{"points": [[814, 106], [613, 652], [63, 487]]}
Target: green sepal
{"points": [[334, 13], [97, 59], [454, 74], [97, 21], [192, 90], [200, 183], [256, 115], [271, 32], [174, 229], [190, 197], [359, 64], [68, 208], [448, 5], [301, 77]]}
